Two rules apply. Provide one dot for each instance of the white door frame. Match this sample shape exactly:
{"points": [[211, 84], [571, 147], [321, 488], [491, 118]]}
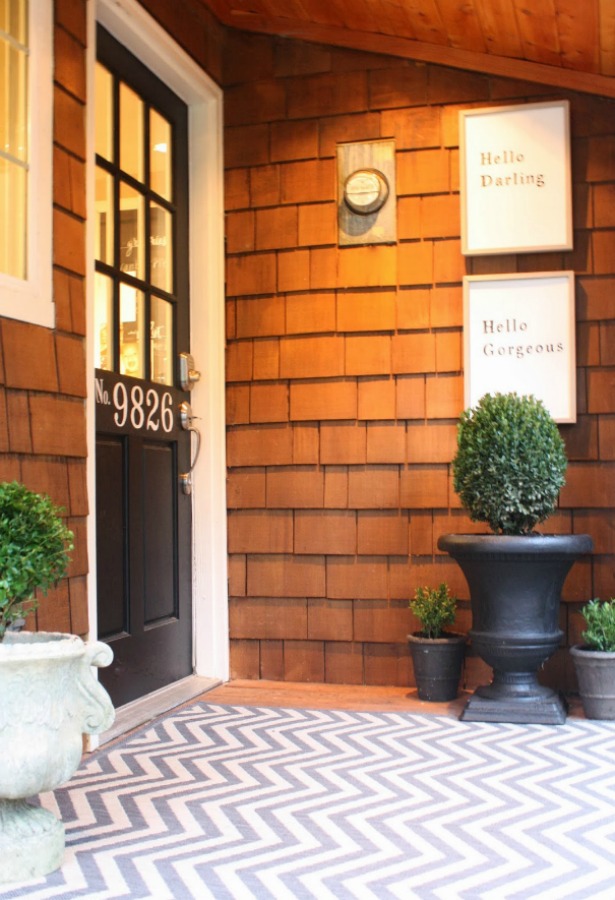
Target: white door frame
{"points": [[129, 23]]}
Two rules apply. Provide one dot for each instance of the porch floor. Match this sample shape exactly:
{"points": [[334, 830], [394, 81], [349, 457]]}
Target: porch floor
{"points": [[278, 790], [284, 694], [299, 695], [342, 696]]}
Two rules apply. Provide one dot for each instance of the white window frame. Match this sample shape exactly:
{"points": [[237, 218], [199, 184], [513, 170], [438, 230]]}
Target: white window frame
{"points": [[31, 299]]}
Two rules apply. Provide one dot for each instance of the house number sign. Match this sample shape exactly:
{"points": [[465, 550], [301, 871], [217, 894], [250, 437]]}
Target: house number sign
{"points": [[129, 406]]}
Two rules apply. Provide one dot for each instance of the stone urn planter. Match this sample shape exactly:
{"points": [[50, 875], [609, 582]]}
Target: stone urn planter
{"points": [[49, 698], [515, 584]]}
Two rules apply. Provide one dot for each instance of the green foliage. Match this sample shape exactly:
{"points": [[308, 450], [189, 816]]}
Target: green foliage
{"points": [[434, 608], [34, 548], [510, 463], [600, 621]]}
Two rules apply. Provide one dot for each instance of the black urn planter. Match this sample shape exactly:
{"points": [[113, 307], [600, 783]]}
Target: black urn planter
{"points": [[515, 584], [437, 665]]}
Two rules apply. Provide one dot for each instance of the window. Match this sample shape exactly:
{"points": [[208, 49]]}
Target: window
{"points": [[26, 31], [14, 138]]}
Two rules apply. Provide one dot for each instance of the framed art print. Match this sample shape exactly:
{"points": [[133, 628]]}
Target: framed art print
{"points": [[519, 336], [516, 186]]}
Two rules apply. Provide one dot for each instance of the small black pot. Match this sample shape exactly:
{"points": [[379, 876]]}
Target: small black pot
{"points": [[437, 665], [515, 584]]}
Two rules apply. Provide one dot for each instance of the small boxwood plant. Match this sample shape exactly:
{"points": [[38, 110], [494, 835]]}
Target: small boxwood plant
{"points": [[34, 550], [510, 463], [599, 618], [435, 608]]}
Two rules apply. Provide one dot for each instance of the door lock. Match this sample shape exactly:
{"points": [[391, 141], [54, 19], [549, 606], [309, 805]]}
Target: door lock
{"points": [[188, 375]]}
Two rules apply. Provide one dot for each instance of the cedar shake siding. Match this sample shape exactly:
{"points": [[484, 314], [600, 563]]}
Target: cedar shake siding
{"points": [[344, 366]]}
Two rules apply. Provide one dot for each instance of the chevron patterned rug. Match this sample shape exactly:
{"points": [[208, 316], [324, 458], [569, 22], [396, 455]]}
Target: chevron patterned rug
{"points": [[233, 803]]}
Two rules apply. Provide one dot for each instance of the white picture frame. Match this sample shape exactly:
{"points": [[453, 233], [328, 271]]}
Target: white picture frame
{"points": [[519, 335], [515, 179]]}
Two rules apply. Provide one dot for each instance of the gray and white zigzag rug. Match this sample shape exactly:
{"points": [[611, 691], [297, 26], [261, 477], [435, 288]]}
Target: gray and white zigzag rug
{"points": [[233, 802]]}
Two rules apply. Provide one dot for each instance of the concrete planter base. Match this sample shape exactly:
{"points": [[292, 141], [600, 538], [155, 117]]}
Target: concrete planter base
{"points": [[31, 841]]}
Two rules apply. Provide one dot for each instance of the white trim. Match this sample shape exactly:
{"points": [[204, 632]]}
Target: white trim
{"points": [[143, 710], [140, 34], [31, 300]]}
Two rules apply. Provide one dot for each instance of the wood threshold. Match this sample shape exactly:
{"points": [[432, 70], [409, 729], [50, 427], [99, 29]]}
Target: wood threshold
{"points": [[140, 712]]}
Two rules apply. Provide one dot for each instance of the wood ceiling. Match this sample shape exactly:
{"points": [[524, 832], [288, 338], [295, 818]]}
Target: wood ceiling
{"points": [[565, 43]]}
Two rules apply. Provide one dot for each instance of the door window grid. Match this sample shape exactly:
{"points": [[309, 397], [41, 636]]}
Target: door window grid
{"points": [[134, 233]]}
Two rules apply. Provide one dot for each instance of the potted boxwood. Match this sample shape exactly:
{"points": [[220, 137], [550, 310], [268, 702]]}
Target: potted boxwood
{"points": [[594, 660], [49, 696], [437, 654], [508, 470]]}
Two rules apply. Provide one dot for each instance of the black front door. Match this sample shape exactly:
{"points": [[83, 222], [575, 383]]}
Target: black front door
{"points": [[143, 516]]}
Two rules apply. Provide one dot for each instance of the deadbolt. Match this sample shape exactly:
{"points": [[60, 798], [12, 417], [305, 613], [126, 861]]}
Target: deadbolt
{"points": [[188, 375]]}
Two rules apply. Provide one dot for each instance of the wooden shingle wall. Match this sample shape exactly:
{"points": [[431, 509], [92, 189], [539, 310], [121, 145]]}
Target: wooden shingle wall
{"points": [[344, 365], [42, 371]]}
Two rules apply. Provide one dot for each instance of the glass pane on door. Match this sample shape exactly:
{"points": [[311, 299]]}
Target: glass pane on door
{"points": [[132, 306], [132, 232], [131, 133], [105, 216], [103, 86], [103, 322], [161, 337], [160, 155], [161, 244]]}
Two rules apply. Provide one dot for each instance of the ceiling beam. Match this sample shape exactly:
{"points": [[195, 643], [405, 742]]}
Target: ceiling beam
{"points": [[389, 45]]}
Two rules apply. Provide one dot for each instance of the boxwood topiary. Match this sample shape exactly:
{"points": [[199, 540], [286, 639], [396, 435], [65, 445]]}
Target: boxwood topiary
{"points": [[510, 463], [600, 625], [34, 549], [435, 608]]}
